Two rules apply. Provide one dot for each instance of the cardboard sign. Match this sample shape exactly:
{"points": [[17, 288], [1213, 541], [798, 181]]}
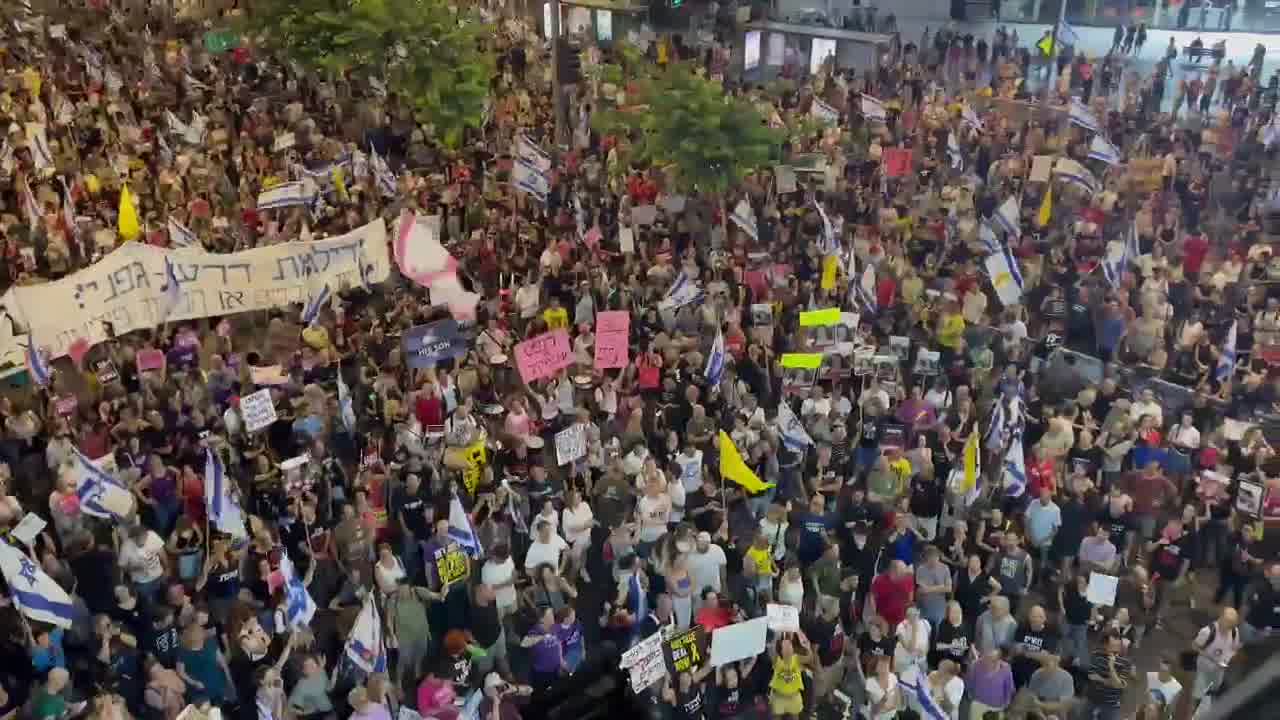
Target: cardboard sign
{"points": [[1041, 167], [258, 410], [649, 666], [739, 641], [544, 356], [1102, 589], [571, 444], [783, 618], [897, 162], [150, 360], [613, 333]]}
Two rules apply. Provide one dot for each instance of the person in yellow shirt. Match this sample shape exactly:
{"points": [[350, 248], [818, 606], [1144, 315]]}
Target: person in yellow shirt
{"points": [[556, 317], [760, 558], [786, 688], [951, 330]]}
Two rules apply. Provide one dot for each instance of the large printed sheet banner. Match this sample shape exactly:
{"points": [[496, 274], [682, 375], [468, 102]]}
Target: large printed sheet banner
{"points": [[125, 287]]}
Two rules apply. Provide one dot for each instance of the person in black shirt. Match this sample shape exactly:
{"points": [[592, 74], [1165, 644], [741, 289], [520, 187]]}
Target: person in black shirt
{"points": [[973, 588], [875, 642], [486, 631], [732, 693], [1031, 643], [1170, 559], [687, 699], [410, 505], [952, 639], [827, 636], [128, 612], [162, 638]]}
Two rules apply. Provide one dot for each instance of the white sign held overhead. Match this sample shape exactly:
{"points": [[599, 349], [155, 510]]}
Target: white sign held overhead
{"points": [[258, 410], [783, 618], [1102, 589], [571, 444], [739, 641]]}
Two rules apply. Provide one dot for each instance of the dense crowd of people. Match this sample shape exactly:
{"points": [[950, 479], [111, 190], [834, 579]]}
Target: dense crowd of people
{"points": [[1029, 425]]}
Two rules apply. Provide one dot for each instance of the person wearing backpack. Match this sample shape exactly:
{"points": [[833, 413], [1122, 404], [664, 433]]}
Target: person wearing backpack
{"points": [[1215, 645]]}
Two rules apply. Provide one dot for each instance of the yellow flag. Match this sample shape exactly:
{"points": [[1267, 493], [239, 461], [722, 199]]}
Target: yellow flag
{"points": [[829, 265], [805, 361], [971, 462], [734, 469], [127, 224], [340, 184], [820, 318], [1046, 45], [1046, 208]]}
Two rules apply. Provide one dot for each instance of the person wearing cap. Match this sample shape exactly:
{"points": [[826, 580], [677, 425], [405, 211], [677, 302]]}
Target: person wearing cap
{"points": [[501, 698]]}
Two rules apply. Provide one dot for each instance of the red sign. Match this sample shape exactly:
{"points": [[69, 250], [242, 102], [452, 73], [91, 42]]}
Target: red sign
{"points": [[897, 162], [150, 360]]}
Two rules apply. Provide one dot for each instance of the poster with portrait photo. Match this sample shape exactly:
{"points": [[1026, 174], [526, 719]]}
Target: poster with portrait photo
{"points": [[928, 362], [864, 362], [1249, 498]]}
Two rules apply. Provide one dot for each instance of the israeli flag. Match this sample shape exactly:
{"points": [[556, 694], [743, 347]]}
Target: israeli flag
{"points": [[1102, 150], [364, 646], [1008, 216], [823, 112], [35, 593], [867, 289], [513, 510], [34, 209], [683, 291], [1119, 255], [344, 405], [1227, 360], [792, 431], [715, 360], [37, 364], [299, 607], [382, 173], [1068, 34], [315, 303], [291, 194], [994, 436], [988, 238], [873, 109], [830, 245], [1014, 473], [531, 154], [916, 687], [1006, 278], [1271, 133], [461, 530], [224, 512], [38, 144], [69, 211], [1081, 115], [1072, 172], [180, 235], [744, 217], [529, 180], [100, 494], [172, 291], [953, 151], [637, 599]]}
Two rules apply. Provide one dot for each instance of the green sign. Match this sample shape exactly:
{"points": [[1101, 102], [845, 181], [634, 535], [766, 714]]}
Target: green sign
{"points": [[220, 41]]}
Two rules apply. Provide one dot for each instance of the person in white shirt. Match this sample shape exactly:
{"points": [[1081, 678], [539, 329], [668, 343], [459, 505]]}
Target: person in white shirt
{"points": [[816, 404], [499, 573], [912, 648], [1147, 405], [142, 555], [528, 300], [547, 548], [690, 462], [1216, 644], [654, 511], [707, 565], [577, 521]]}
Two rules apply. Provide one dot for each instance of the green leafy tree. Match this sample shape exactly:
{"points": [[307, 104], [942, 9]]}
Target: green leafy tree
{"points": [[429, 52], [678, 120]]}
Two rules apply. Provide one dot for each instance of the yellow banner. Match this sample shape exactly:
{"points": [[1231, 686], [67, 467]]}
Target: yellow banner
{"points": [[476, 459], [820, 318], [804, 361], [829, 266]]}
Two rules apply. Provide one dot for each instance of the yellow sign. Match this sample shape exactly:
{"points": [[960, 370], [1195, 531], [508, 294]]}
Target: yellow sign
{"points": [[451, 563], [804, 361], [820, 318], [476, 458], [829, 265]]}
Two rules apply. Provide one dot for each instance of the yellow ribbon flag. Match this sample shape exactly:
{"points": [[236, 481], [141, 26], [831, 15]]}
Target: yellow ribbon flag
{"points": [[733, 468], [340, 184], [803, 361], [971, 462], [829, 265], [1046, 208], [820, 318], [127, 224], [1046, 45]]}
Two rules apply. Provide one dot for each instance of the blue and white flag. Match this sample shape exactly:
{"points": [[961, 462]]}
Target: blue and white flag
{"points": [[715, 360], [1006, 278], [38, 146], [830, 244], [637, 598], [299, 607], [867, 289], [873, 109], [745, 217], [37, 364], [994, 437], [100, 494], [1227, 360], [683, 291], [34, 209], [35, 593], [382, 173], [1081, 115], [180, 235], [315, 304], [1073, 173], [1119, 254], [300, 193], [1009, 216], [345, 407], [1101, 149], [791, 430], [69, 212], [1014, 474], [1271, 133], [364, 646], [988, 238], [461, 530], [823, 112], [916, 686], [529, 180], [953, 151], [1068, 35], [529, 152], [172, 291], [224, 512]]}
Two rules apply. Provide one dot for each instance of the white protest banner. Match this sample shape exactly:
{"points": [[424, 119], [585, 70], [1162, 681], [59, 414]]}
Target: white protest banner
{"points": [[642, 649], [783, 618], [626, 239], [284, 141], [258, 410], [268, 375], [29, 529], [1102, 589], [648, 670], [786, 179], [571, 444], [1041, 167], [124, 289], [739, 641]]}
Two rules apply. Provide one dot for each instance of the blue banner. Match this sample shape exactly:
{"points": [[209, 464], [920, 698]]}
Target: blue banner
{"points": [[429, 345]]}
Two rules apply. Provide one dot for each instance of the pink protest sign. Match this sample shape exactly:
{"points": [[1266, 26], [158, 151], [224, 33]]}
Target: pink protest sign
{"points": [[78, 350], [150, 360], [613, 329], [544, 356], [67, 405]]}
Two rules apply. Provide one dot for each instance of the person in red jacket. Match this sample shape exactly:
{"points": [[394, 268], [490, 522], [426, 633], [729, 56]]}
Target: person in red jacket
{"points": [[892, 592]]}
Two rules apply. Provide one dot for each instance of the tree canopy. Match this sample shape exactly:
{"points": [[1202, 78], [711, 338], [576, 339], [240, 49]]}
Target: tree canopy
{"points": [[427, 51], [677, 119]]}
